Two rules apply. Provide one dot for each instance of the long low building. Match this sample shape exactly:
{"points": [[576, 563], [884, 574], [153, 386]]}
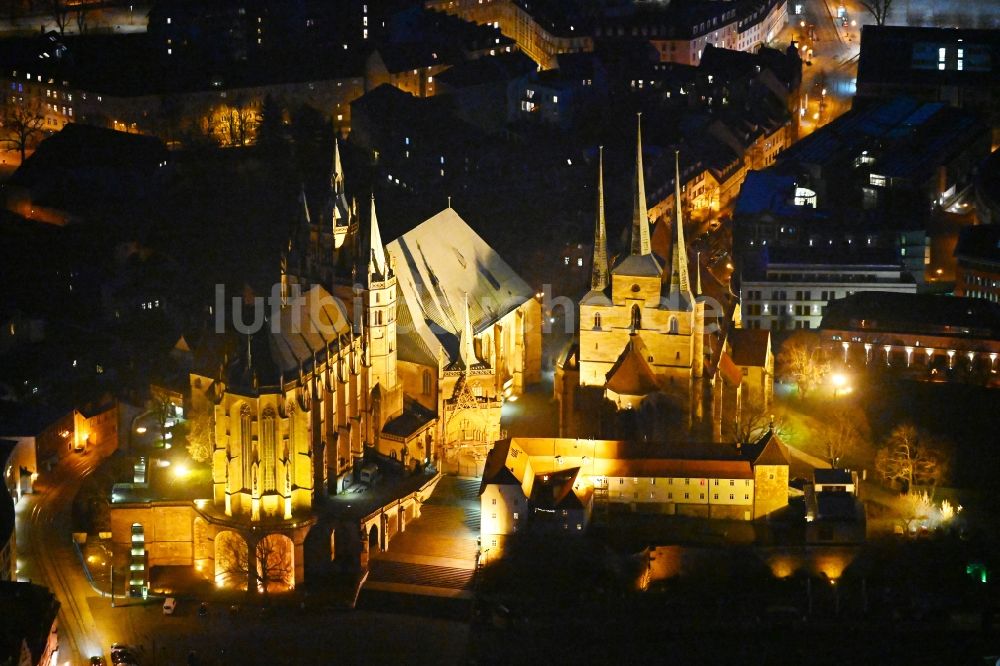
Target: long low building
{"points": [[557, 483], [937, 337]]}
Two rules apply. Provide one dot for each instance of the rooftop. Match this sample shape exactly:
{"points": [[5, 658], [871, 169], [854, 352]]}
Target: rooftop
{"points": [[889, 312], [901, 55]]}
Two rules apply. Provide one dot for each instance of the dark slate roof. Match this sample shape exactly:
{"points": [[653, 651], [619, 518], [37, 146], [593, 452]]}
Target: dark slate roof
{"points": [[768, 450], [480, 71], [980, 244], [414, 417], [495, 470], [750, 346], [554, 490], [832, 476], [929, 314], [912, 137]]}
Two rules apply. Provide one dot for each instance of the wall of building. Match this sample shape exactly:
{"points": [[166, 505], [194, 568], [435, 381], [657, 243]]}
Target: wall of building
{"points": [[167, 528], [771, 483]]}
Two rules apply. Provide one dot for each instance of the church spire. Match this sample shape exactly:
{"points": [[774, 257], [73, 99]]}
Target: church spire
{"points": [[377, 264], [599, 277], [679, 277], [304, 218], [697, 275], [466, 341], [337, 174], [640, 214]]}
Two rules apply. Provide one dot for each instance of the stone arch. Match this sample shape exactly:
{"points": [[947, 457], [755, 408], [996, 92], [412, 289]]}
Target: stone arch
{"points": [[636, 317], [374, 545], [231, 558], [275, 559]]}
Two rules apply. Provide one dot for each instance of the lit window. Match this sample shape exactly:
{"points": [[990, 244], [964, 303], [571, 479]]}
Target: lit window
{"points": [[579, 261]]}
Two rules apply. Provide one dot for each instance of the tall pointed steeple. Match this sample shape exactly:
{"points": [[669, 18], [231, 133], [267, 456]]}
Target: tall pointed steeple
{"points": [[640, 214], [377, 263], [697, 275], [466, 341], [599, 276], [680, 282], [337, 174], [304, 218]]}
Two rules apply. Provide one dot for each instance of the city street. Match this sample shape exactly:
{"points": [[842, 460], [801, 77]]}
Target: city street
{"points": [[46, 555]]}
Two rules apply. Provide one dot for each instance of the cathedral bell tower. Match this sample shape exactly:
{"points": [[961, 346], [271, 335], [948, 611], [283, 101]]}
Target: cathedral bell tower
{"points": [[379, 295]]}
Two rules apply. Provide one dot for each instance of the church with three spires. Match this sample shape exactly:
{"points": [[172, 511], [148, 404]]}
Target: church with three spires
{"points": [[643, 352]]}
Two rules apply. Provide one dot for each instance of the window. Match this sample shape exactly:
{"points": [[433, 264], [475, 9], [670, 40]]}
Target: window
{"points": [[687, 495], [270, 454], [516, 516], [493, 516], [715, 496], [636, 318], [494, 502], [673, 327], [597, 320]]}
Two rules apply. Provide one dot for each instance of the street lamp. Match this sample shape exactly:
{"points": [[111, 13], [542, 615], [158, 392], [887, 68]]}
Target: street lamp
{"points": [[839, 381]]}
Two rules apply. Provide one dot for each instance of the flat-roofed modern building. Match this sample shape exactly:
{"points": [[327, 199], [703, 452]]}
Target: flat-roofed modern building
{"points": [[792, 290]]}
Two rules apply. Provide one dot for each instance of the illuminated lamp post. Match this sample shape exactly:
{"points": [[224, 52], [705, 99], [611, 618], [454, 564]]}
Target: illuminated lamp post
{"points": [[951, 359], [847, 347], [909, 356], [888, 352], [868, 353]]}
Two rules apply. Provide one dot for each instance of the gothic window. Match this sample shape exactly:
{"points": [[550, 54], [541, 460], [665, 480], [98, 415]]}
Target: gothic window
{"points": [[269, 453], [291, 440], [597, 320], [245, 443], [427, 382], [673, 328], [636, 318]]}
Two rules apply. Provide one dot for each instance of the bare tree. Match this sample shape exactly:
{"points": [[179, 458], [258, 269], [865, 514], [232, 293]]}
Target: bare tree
{"points": [[22, 123], [81, 19], [198, 433], [273, 567], [842, 435], [912, 457], [801, 360], [879, 9], [162, 410], [60, 14], [753, 421]]}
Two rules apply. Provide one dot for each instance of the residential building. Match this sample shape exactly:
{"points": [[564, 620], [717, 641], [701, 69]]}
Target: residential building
{"points": [[680, 32], [557, 484], [792, 289], [978, 254], [542, 30]]}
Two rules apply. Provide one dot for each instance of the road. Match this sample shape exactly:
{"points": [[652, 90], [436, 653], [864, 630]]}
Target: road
{"points": [[47, 555]]}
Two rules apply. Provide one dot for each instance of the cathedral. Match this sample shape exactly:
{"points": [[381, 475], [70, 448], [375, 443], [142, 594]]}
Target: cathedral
{"points": [[644, 353], [388, 354]]}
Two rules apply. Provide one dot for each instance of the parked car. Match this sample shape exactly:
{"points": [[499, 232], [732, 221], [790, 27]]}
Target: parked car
{"points": [[169, 606]]}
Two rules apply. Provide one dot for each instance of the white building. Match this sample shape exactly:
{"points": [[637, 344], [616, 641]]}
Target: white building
{"points": [[792, 291]]}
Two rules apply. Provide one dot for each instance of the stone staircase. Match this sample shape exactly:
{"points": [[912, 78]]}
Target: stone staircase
{"points": [[438, 549], [427, 575]]}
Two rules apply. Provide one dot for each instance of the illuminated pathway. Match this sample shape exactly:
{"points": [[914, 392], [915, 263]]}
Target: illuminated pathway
{"points": [[47, 555]]}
